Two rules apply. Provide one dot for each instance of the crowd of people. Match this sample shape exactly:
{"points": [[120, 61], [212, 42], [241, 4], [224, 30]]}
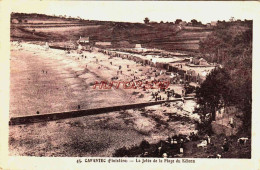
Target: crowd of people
{"points": [[155, 77], [183, 145]]}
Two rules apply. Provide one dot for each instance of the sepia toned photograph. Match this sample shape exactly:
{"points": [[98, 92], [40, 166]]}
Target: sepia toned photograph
{"points": [[168, 82]]}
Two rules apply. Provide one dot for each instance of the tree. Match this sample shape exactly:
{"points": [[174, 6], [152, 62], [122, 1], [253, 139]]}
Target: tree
{"points": [[233, 50], [194, 22], [214, 92], [146, 20], [178, 21]]}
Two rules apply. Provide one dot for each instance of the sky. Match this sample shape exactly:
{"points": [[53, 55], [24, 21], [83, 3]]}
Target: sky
{"points": [[136, 11]]}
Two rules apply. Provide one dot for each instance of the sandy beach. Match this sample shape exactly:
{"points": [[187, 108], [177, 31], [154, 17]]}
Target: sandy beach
{"points": [[53, 81]]}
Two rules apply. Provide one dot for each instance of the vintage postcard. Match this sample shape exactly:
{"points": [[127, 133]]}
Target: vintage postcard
{"points": [[129, 84]]}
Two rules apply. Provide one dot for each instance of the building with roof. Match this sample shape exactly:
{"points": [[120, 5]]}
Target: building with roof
{"points": [[203, 62], [83, 40], [213, 23], [138, 46], [199, 61]]}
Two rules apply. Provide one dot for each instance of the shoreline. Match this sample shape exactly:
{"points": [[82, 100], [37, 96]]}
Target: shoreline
{"points": [[109, 131]]}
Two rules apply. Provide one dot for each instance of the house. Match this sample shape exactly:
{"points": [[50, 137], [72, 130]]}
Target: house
{"points": [[202, 62], [213, 23], [99, 43], [138, 46], [199, 61], [84, 40]]}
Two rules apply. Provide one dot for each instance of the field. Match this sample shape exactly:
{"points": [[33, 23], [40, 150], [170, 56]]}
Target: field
{"points": [[164, 36]]}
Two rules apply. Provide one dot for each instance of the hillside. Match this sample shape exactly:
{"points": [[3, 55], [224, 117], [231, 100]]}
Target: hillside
{"points": [[39, 27], [231, 46]]}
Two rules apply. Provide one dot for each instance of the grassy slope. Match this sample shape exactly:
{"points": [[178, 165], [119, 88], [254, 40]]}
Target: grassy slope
{"points": [[165, 36]]}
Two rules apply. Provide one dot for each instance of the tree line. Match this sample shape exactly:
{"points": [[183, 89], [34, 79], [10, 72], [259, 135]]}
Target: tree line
{"points": [[231, 83]]}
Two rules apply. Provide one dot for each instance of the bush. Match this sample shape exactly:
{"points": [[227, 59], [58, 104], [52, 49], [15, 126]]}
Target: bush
{"points": [[144, 144], [121, 152]]}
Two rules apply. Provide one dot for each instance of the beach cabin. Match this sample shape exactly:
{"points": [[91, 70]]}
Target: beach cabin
{"points": [[83, 40]]}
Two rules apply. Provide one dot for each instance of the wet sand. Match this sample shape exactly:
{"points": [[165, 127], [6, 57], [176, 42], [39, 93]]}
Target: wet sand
{"points": [[52, 81], [47, 82]]}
